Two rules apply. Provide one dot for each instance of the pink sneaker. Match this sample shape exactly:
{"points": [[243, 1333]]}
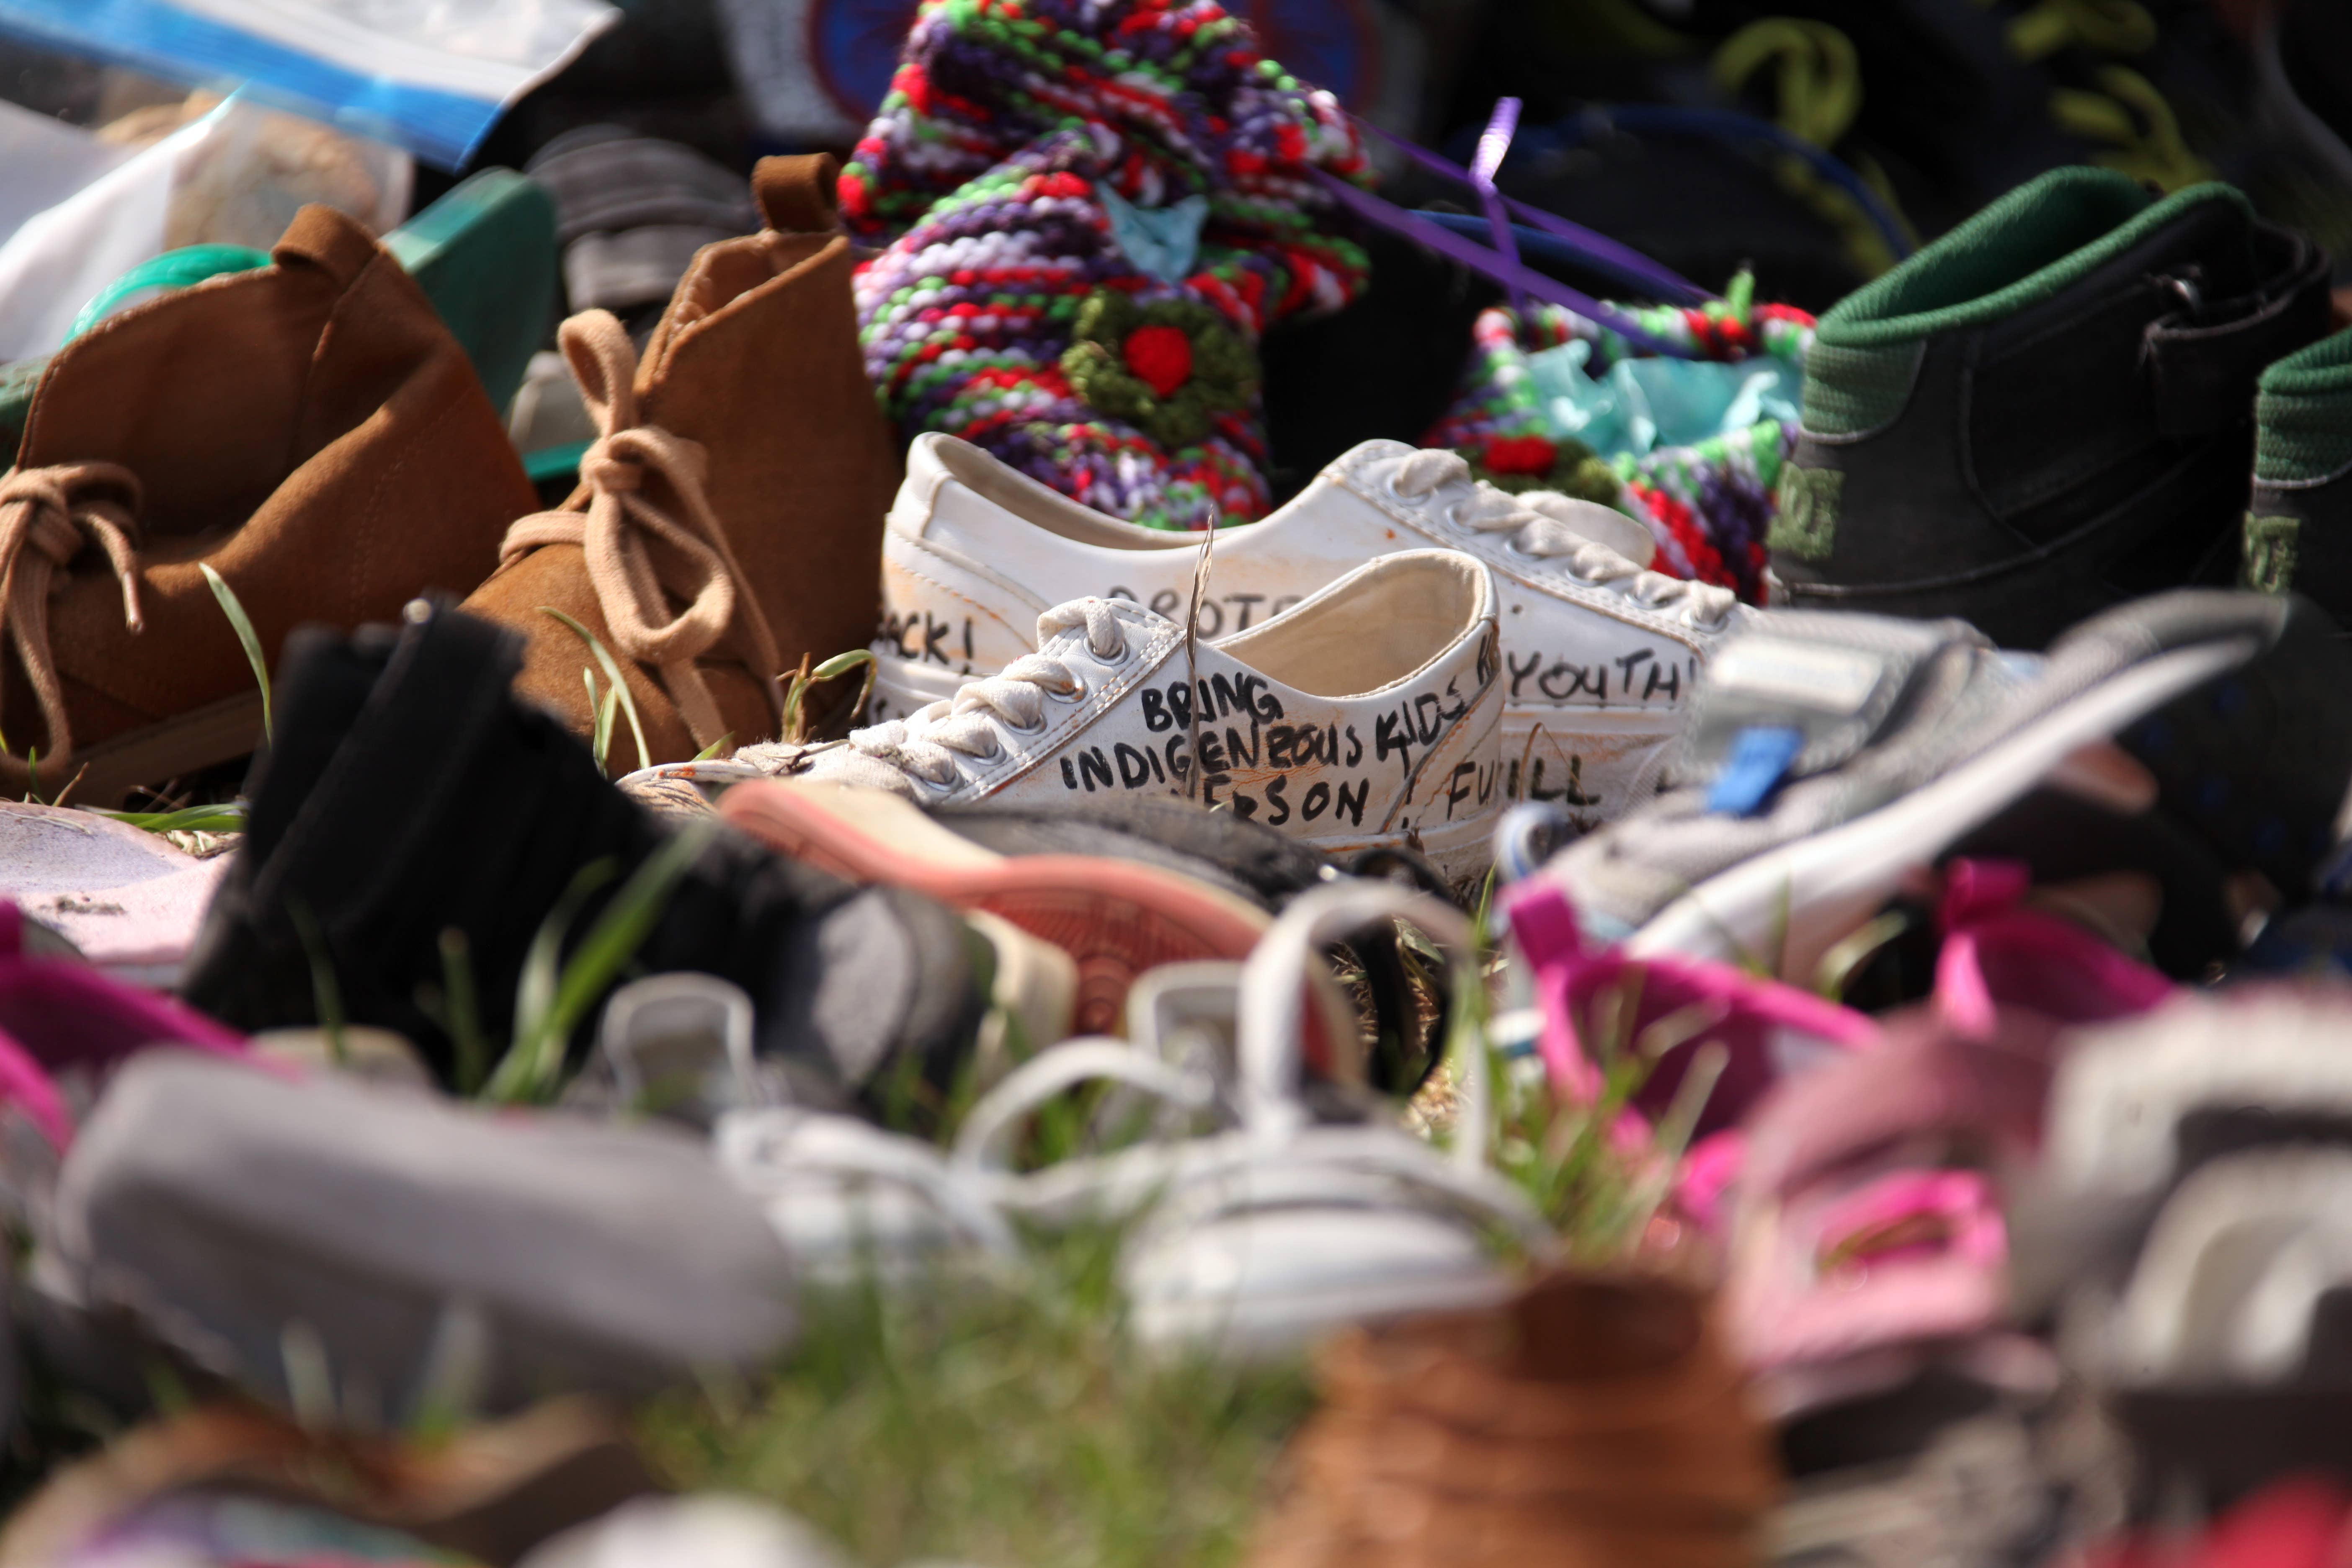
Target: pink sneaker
{"points": [[1871, 1231], [1673, 1008]]}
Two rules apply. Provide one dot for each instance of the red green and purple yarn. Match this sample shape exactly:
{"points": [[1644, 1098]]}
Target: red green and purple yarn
{"points": [[982, 176], [1708, 505]]}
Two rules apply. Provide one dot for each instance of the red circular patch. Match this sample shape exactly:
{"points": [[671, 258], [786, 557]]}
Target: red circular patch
{"points": [[1530, 455], [1160, 357]]}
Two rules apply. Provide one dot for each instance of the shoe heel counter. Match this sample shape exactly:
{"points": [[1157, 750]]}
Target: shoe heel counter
{"points": [[1459, 781]]}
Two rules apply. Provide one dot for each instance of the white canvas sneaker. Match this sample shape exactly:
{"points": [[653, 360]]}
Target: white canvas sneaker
{"points": [[1364, 717], [1598, 655]]}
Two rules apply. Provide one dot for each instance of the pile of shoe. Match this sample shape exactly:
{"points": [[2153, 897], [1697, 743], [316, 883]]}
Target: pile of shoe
{"points": [[1734, 923]]}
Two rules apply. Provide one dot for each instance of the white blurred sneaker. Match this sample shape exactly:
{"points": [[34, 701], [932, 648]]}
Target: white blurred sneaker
{"points": [[1598, 656], [1364, 717]]}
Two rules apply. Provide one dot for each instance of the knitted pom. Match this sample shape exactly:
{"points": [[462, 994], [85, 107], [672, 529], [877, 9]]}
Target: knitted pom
{"points": [[1011, 317], [1160, 357], [1521, 455]]}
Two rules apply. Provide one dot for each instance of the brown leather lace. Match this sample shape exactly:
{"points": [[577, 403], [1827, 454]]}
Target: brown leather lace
{"points": [[45, 516], [638, 555]]}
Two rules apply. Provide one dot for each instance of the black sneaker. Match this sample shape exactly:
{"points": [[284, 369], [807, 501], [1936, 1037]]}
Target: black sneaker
{"points": [[410, 794], [2046, 412], [2298, 530]]}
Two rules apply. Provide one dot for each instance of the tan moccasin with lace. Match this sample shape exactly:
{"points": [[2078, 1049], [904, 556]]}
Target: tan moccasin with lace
{"points": [[309, 430], [729, 518]]}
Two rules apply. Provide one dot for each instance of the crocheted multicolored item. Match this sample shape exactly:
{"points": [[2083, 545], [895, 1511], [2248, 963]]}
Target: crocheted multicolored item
{"points": [[1709, 505], [1036, 173]]}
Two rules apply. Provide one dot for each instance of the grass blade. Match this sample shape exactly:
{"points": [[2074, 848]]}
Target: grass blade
{"points": [[228, 817], [326, 995], [548, 1003], [519, 1073], [622, 929], [604, 710], [470, 1048], [1844, 960], [839, 665], [612, 673], [242, 624], [715, 747]]}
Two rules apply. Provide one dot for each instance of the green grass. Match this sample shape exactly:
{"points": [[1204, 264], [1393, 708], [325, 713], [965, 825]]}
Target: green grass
{"points": [[619, 693], [242, 624], [1013, 1426], [1017, 1428]]}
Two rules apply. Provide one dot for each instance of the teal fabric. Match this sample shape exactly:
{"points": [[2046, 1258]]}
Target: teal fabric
{"points": [[1161, 241], [1638, 405], [179, 269]]}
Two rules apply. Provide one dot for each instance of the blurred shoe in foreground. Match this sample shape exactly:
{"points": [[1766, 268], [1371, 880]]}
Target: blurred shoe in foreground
{"points": [[503, 1257], [1595, 1419], [244, 1482], [412, 795]]}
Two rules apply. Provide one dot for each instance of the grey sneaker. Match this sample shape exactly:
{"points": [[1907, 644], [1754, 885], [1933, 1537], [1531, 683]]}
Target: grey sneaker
{"points": [[1833, 756], [359, 1252]]}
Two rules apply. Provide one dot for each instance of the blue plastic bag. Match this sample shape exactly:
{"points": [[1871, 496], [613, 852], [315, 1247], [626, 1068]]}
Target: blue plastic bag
{"points": [[426, 75]]}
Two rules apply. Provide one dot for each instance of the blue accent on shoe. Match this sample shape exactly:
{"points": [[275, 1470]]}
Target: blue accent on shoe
{"points": [[1760, 755]]}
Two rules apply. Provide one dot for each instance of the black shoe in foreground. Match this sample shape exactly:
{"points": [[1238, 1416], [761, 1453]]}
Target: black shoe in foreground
{"points": [[409, 793]]}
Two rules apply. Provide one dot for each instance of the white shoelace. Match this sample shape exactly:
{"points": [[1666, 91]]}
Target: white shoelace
{"points": [[922, 745], [1536, 534]]}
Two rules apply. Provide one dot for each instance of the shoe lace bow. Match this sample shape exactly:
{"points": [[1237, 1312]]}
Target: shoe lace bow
{"points": [[1535, 532], [637, 554], [926, 742], [47, 515]]}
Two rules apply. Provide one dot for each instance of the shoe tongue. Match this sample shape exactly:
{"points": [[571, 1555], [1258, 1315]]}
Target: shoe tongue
{"points": [[1803, 692]]}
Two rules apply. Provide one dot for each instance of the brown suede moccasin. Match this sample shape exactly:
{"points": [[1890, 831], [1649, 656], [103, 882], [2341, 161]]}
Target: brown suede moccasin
{"points": [[309, 430], [728, 519], [1596, 1422]]}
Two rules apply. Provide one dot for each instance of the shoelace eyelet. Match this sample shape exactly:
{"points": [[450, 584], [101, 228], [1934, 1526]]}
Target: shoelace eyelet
{"points": [[1075, 694], [1399, 495]]}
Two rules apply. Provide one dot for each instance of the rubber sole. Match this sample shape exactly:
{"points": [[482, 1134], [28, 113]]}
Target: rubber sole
{"points": [[201, 738], [1590, 761], [1114, 918]]}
